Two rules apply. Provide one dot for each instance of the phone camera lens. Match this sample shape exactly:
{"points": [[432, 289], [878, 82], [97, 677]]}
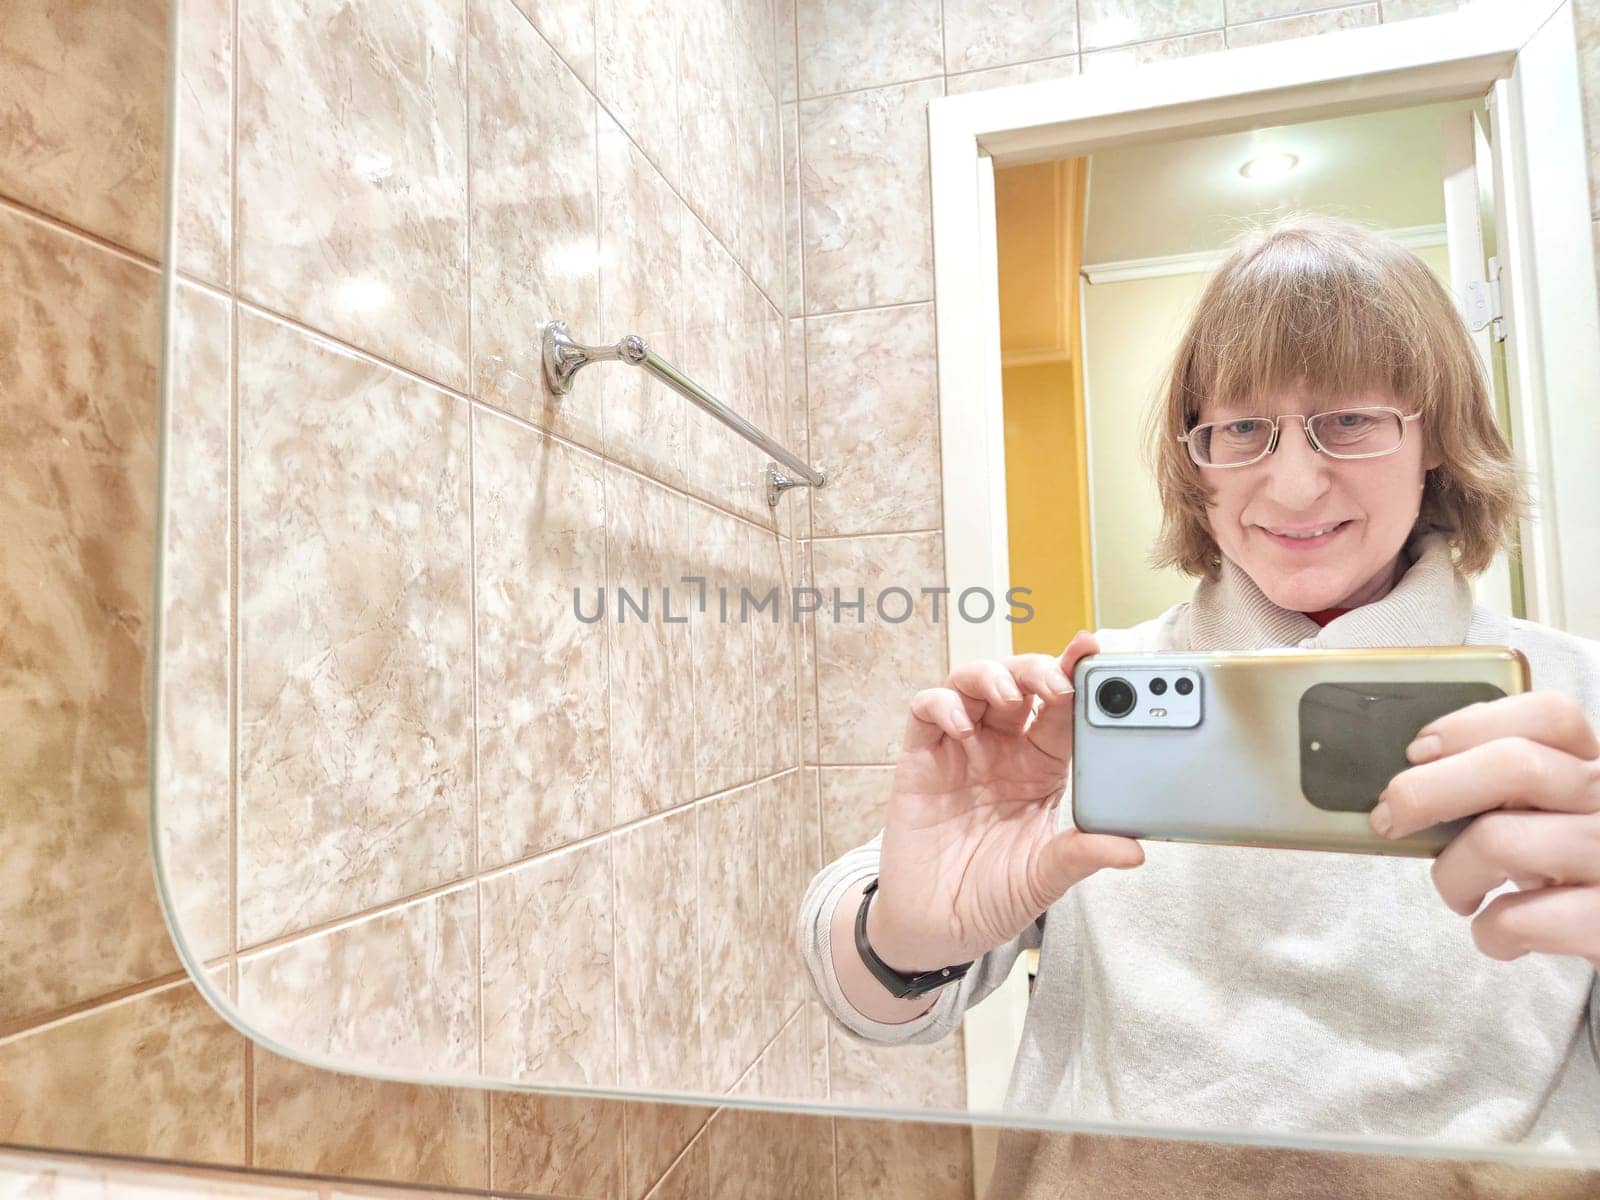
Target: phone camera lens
{"points": [[1184, 686], [1158, 686], [1115, 697]]}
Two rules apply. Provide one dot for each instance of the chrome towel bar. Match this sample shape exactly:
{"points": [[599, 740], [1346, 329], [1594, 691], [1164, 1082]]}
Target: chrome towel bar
{"points": [[564, 358]]}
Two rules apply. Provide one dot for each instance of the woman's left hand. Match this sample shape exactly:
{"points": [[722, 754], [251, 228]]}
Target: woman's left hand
{"points": [[1530, 765]]}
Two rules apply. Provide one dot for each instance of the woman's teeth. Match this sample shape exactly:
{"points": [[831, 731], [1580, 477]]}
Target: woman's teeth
{"points": [[1313, 533]]}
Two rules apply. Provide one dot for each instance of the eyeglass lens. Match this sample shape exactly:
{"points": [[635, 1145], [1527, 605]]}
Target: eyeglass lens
{"points": [[1342, 433]]}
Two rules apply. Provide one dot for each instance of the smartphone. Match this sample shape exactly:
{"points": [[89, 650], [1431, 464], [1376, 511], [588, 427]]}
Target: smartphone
{"points": [[1284, 747]]}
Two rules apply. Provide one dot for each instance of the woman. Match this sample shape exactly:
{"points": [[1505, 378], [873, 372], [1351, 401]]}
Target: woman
{"points": [[1255, 989]]}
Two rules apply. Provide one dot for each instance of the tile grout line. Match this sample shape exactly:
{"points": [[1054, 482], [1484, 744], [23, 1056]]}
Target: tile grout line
{"points": [[26, 212], [938, 415], [19, 1028], [250, 1181], [676, 1158], [472, 598], [1326, 6], [606, 527], [467, 94], [249, 1105], [833, 1130], [373, 357], [945, 73], [235, 527], [233, 515], [805, 400], [944, 43], [594, 93], [1167, 38], [259, 949], [456, 394], [825, 314], [866, 534], [616, 1001], [1259, 22], [816, 674], [699, 954]]}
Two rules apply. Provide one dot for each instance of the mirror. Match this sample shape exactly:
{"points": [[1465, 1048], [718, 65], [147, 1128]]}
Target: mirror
{"points": [[477, 764]]}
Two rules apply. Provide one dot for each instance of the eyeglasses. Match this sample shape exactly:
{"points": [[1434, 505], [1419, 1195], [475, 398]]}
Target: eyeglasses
{"points": [[1338, 433]]}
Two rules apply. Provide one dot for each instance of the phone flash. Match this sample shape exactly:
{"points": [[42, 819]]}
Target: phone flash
{"points": [[1316, 745], [1158, 712]]}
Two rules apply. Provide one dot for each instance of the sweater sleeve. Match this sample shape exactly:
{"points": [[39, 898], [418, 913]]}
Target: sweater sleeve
{"points": [[1594, 1018], [813, 935]]}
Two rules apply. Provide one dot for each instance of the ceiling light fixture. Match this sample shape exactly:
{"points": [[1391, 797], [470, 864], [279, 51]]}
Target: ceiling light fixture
{"points": [[1274, 164]]}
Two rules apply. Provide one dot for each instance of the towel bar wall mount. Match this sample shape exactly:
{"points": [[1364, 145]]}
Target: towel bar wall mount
{"points": [[564, 358]]}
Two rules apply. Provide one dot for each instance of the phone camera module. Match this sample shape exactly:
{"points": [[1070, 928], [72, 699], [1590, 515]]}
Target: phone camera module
{"points": [[1158, 686], [1115, 697], [1184, 686]]}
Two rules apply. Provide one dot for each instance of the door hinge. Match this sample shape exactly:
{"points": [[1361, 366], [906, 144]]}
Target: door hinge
{"points": [[1481, 304]]}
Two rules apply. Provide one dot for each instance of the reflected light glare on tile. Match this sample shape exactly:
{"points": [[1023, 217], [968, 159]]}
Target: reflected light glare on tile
{"points": [[575, 258], [374, 164], [363, 295], [1116, 30]]}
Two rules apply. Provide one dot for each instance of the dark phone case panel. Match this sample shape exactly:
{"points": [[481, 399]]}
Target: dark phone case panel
{"points": [[1353, 736]]}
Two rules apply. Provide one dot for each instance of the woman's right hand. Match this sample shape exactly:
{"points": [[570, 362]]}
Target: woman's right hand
{"points": [[971, 854]]}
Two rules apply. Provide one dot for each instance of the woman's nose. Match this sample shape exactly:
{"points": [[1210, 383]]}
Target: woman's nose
{"points": [[1296, 473]]}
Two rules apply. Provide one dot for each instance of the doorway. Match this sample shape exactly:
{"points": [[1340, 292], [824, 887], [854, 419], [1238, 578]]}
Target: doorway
{"points": [[1101, 259]]}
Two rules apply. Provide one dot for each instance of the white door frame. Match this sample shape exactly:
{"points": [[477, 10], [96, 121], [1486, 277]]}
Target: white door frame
{"points": [[1523, 51]]}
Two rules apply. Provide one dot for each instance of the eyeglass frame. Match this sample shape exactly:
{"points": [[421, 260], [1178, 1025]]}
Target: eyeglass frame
{"points": [[1305, 419]]}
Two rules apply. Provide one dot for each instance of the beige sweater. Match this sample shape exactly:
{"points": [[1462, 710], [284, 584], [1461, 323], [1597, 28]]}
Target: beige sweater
{"points": [[1273, 991]]}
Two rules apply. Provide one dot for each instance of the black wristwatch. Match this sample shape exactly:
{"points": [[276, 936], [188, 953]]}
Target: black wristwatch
{"points": [[899, 985]]}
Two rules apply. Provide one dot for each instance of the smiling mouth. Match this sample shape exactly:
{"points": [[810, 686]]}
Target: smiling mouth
{"points": [[1306, 538]]}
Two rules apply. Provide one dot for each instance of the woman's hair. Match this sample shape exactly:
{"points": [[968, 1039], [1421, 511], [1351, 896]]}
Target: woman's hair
{"points": [[1347, 310]]}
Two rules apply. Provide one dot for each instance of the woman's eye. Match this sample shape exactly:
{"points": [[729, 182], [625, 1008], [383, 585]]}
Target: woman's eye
{"points": [[1241, 428], [1352, 422]]}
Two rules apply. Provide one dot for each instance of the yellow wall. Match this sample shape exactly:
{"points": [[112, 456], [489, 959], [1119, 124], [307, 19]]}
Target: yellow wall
{"points": [[1039, 227], [1130, 331], [1046, 513]]}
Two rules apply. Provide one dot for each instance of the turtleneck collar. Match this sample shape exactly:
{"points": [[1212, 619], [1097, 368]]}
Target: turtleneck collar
{"points": [[1431, 605]]}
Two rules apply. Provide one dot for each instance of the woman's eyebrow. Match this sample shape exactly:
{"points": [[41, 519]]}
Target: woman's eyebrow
{"points": [[1260, 408]]}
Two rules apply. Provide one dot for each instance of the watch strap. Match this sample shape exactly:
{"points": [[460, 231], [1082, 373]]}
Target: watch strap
{"points": [[897, 983]]}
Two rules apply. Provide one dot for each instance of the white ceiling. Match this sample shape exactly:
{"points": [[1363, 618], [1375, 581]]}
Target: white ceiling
{"points": [[1158, 199]]}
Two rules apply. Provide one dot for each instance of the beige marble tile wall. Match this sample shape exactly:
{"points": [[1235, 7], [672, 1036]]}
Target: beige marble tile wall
{"points": [[376, 203], [442, 777], [102, 1043]]}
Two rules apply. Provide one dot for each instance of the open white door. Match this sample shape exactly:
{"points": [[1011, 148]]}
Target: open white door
{"points": [[1552, 321], [992, 1031], [1475, 280]]}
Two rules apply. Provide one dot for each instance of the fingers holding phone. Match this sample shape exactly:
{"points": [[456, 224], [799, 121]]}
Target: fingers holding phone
{"points": [[971, 852], [1526, 770]]}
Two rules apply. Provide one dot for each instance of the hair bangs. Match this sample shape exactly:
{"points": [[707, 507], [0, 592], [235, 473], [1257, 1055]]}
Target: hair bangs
{"points": [[1294, 315]]}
